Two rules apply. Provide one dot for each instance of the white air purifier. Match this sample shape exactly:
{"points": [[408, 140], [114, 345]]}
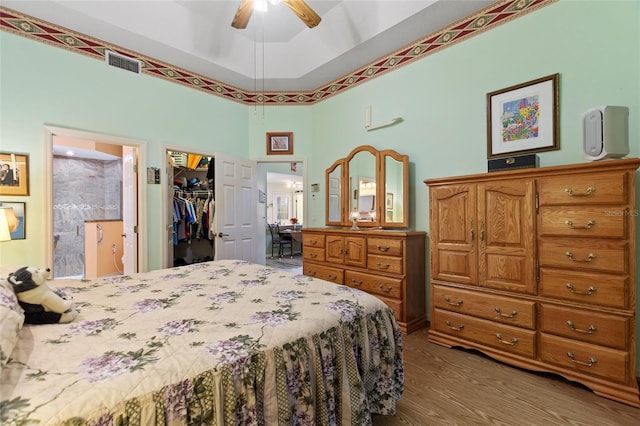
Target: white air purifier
{"points": [[605, 132]]}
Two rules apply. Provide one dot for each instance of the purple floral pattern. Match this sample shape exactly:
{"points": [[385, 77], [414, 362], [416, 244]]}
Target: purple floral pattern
{"points": [[193, 344]]}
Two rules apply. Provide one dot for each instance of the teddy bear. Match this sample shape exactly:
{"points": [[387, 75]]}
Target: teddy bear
{"points": [[40, 303]]}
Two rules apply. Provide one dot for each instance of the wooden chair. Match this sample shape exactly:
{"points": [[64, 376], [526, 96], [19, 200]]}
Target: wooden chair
{"points": [[278, 241]]}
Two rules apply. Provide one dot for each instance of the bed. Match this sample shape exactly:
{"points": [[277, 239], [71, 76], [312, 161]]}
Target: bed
{"points": [[215, 343]]}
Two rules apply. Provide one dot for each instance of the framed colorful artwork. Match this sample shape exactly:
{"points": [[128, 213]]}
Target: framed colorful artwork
{"points": [[523, 119]]}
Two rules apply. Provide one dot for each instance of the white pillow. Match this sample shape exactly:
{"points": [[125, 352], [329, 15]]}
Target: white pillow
{"points": [[11, 318]]}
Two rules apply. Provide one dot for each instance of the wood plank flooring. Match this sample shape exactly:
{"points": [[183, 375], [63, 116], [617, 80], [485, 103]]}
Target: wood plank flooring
{"points": [[460, 387]]}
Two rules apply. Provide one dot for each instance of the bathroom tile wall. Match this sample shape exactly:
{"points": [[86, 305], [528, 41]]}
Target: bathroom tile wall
{"points": [[83, 190]]}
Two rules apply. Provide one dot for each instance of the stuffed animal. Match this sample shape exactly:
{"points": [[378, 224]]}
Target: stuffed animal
{"points": [[40, 303]]}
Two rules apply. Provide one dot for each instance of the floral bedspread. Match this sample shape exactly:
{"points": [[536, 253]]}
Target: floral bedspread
{"points": [[216, 343]]}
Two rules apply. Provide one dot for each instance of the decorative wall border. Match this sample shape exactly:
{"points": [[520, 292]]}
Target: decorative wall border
{"points": [[499, 13]]}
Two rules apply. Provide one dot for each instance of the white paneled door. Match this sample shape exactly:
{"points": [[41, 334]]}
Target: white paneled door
{"points": [[235, 226]]}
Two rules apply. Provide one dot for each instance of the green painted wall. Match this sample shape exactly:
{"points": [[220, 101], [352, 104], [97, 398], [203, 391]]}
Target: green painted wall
{"points": [[594, 45], [42, 86]]}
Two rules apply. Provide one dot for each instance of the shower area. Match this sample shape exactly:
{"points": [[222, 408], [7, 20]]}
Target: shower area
{"points": [[87, 216]]}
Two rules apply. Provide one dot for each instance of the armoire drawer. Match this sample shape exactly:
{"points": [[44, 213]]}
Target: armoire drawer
{"points": [[588, 188], [326, 273], [593, 255], [571, 221], [393, 265], [589, 359], [508, 310], [376, 284], [587, 326], [585, 287], [508, 338], [387, 247]]}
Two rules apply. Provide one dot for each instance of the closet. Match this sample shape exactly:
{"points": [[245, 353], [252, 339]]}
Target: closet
{"points": [[192, 207]]}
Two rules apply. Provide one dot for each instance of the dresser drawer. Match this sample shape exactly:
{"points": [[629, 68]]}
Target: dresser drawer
{"points": [[389, 264], [574, 221], [587, 326], [313, 253], [591, 188], [326, 273], [511, 339], [312, 240], [507, 310], [600, 255], [396, 306], [593, 360], [376, 284], [385, 247], [585, 287]]}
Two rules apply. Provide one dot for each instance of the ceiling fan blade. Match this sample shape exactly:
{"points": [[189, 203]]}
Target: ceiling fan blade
{"points": [[243, 14], [304, 12]]}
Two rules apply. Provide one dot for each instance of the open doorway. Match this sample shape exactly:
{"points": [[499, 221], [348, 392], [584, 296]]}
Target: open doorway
{"points": [[282, 183], [94, 197]]}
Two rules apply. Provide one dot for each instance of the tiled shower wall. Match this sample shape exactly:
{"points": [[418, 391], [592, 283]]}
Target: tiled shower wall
{"points": [[82, 190]]}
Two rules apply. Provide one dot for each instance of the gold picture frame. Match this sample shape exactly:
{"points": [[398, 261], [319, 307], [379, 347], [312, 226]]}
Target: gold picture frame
{"points": [[280, 143], [14, 174]]}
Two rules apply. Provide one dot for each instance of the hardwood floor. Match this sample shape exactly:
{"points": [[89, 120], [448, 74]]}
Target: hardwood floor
{"points": [[459, 387]]}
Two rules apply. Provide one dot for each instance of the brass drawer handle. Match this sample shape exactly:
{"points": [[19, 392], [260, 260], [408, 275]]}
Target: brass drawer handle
{"points": [[313, 255], [590, 190], [312, 242], [589, 362], [384, 249], [504, 342], [332, 277], [458, 328], [592, 328], [381, 266], [385, 290], [511, 315], [356, 283], [312, 273], [589, 258], [589, 291], [587, 226], [449, 302]]}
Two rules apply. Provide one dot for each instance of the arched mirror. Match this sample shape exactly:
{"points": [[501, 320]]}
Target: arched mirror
{"points": [[333, 183], [369, 187]]}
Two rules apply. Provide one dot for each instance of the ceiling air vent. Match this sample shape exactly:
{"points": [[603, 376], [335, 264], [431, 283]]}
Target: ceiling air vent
{"points": [[124, 62]]}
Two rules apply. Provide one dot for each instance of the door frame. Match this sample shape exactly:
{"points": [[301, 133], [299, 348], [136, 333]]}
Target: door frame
{"points": [[262, 184], [140, 145]]}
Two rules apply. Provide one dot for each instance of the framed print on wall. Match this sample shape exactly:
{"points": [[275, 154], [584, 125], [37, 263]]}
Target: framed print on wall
{"points": [[19, 210], [279, 143], [523, 119], [14, 174]]}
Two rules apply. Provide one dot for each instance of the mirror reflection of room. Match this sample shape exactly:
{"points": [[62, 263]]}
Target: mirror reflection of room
{"points": [[366, 199]]}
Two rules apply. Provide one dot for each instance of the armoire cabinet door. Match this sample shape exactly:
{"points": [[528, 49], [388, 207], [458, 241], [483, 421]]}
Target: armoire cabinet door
{"points": [[453, 234], [506, 235]]}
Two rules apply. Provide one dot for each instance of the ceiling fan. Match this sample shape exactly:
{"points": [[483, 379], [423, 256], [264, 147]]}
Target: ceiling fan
{"points": [[299, 7]]}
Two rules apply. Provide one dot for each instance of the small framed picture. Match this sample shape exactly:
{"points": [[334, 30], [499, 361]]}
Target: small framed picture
{"points": [[279, 143], [14, 174], [389, 201], [523, 119], [19, 211]]}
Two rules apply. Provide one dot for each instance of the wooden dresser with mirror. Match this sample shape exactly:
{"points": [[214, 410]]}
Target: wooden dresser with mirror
{"points": [[537, 268], [366, 244]]}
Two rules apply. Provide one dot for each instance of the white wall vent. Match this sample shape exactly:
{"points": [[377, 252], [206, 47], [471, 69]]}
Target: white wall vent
{"points": [[124, 62]]}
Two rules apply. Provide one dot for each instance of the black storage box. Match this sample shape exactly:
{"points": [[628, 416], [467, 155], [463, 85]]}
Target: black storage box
{"points": [[510, 163]]}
